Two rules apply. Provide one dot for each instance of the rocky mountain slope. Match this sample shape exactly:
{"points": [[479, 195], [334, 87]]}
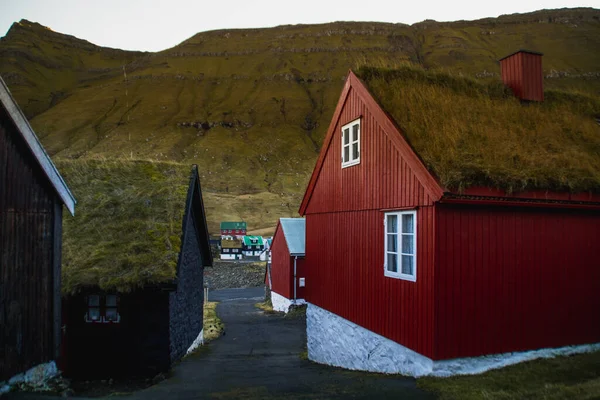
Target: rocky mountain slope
{"points": [[252, 106]]}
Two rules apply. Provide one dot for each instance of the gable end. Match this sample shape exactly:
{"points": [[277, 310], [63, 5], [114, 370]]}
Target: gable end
{"points": [[353, 83]]}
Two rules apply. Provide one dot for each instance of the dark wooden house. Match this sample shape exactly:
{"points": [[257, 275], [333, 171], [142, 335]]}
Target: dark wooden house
{"points": [[447, 220], [133, 267], [32, 194], [231, 249]]}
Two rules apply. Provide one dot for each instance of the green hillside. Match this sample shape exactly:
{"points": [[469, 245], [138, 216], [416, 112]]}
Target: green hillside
{"points": [[251, 106]]}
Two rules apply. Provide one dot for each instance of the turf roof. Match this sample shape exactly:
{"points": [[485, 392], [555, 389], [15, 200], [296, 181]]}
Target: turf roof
{"points": [[127, 230], [231, 244], [470, 133]]}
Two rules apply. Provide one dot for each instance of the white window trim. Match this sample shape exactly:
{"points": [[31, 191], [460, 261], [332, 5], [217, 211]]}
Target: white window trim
{"points": [[350, 143], [399, 274]]}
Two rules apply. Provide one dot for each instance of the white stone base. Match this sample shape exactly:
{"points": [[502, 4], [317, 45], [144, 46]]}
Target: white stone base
{"points": [[199, 341], [283, 304], [36, 378], [333, 340]]}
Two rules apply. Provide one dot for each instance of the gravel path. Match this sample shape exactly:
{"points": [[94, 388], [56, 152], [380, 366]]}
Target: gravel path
{"points": [[240, 274]]}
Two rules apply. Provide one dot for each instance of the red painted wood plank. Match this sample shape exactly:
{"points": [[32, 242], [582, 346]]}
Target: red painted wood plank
{"points": [[534, 272]]}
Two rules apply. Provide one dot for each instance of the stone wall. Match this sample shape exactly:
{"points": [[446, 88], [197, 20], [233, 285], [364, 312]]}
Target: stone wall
{"points": [[186, 303], [283, 304], [333, 340]]}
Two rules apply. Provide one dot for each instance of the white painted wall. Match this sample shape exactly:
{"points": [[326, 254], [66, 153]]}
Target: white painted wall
{"points": [[333, 340], [36, 378], [199, 341], [282, 303]]}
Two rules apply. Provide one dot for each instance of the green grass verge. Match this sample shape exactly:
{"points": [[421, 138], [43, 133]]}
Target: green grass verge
{"points": [[213, 327], [266, 306], [573, 377]]}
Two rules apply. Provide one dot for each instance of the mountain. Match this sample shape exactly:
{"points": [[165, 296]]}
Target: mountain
{"points": [[251, 106]]}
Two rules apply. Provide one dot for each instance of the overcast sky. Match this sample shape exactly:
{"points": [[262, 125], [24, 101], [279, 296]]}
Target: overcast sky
{"points": [[154, 25]]}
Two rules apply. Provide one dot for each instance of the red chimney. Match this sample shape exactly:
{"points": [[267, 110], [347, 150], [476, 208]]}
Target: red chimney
{"points": [[522, 72]]}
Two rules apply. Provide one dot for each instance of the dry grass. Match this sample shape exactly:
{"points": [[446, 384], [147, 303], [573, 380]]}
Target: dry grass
{"points": [[213, 327], [471, 134], [574, 377], [127, 229], [266, 306]]}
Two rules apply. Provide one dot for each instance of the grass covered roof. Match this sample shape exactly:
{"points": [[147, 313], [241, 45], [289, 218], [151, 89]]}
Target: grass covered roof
{"points": [[127, 230], [470, 133]]}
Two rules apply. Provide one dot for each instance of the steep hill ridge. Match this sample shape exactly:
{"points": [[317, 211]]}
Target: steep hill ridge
{"points": [[251, 106]]}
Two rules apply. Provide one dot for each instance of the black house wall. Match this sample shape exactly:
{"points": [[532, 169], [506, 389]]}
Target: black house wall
{"points": [[30, 235], [186, 304], [136, 346]]}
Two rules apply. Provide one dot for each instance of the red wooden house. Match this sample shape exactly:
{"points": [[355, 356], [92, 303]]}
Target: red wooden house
{"points": [[287, 265], [447, 220]]}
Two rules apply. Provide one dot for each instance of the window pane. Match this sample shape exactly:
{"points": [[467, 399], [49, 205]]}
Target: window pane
{"points": [[355, 151], [346, 135], [346, 153], [94, 314], [111, 314], [392, 262], [94, 300], [355, 132], [111, 300], [408, 244], [392, 242], [392, 223], [407, 223], [407, 264]]}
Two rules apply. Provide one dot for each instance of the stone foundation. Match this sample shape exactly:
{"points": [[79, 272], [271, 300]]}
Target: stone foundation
{"points": [[333, 340], [282, 304]]}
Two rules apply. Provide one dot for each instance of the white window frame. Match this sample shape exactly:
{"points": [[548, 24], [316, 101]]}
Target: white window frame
{"points": [[399, 275], [352, 161]]}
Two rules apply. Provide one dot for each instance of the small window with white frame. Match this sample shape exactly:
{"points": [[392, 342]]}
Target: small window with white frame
{"points": [[401, 245], [102, 309], [351, 143]]}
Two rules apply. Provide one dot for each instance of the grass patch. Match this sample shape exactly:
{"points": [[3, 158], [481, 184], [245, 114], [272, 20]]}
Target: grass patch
{"points": [[573, 377], [266, 306], [126, 232], [297, 311], [213, 327], [470, 133], [304, 355]]}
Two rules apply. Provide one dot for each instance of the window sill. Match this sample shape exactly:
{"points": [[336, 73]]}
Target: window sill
{"points": [[351, 163], [396, 275]]}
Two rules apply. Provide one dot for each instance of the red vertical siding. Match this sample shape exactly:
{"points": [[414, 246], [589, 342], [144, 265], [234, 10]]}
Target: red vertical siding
{"points": [[281, 266], [300, 273], [515, 279], [344, 235], [382, 180], [522, 72], [533, 88]]}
